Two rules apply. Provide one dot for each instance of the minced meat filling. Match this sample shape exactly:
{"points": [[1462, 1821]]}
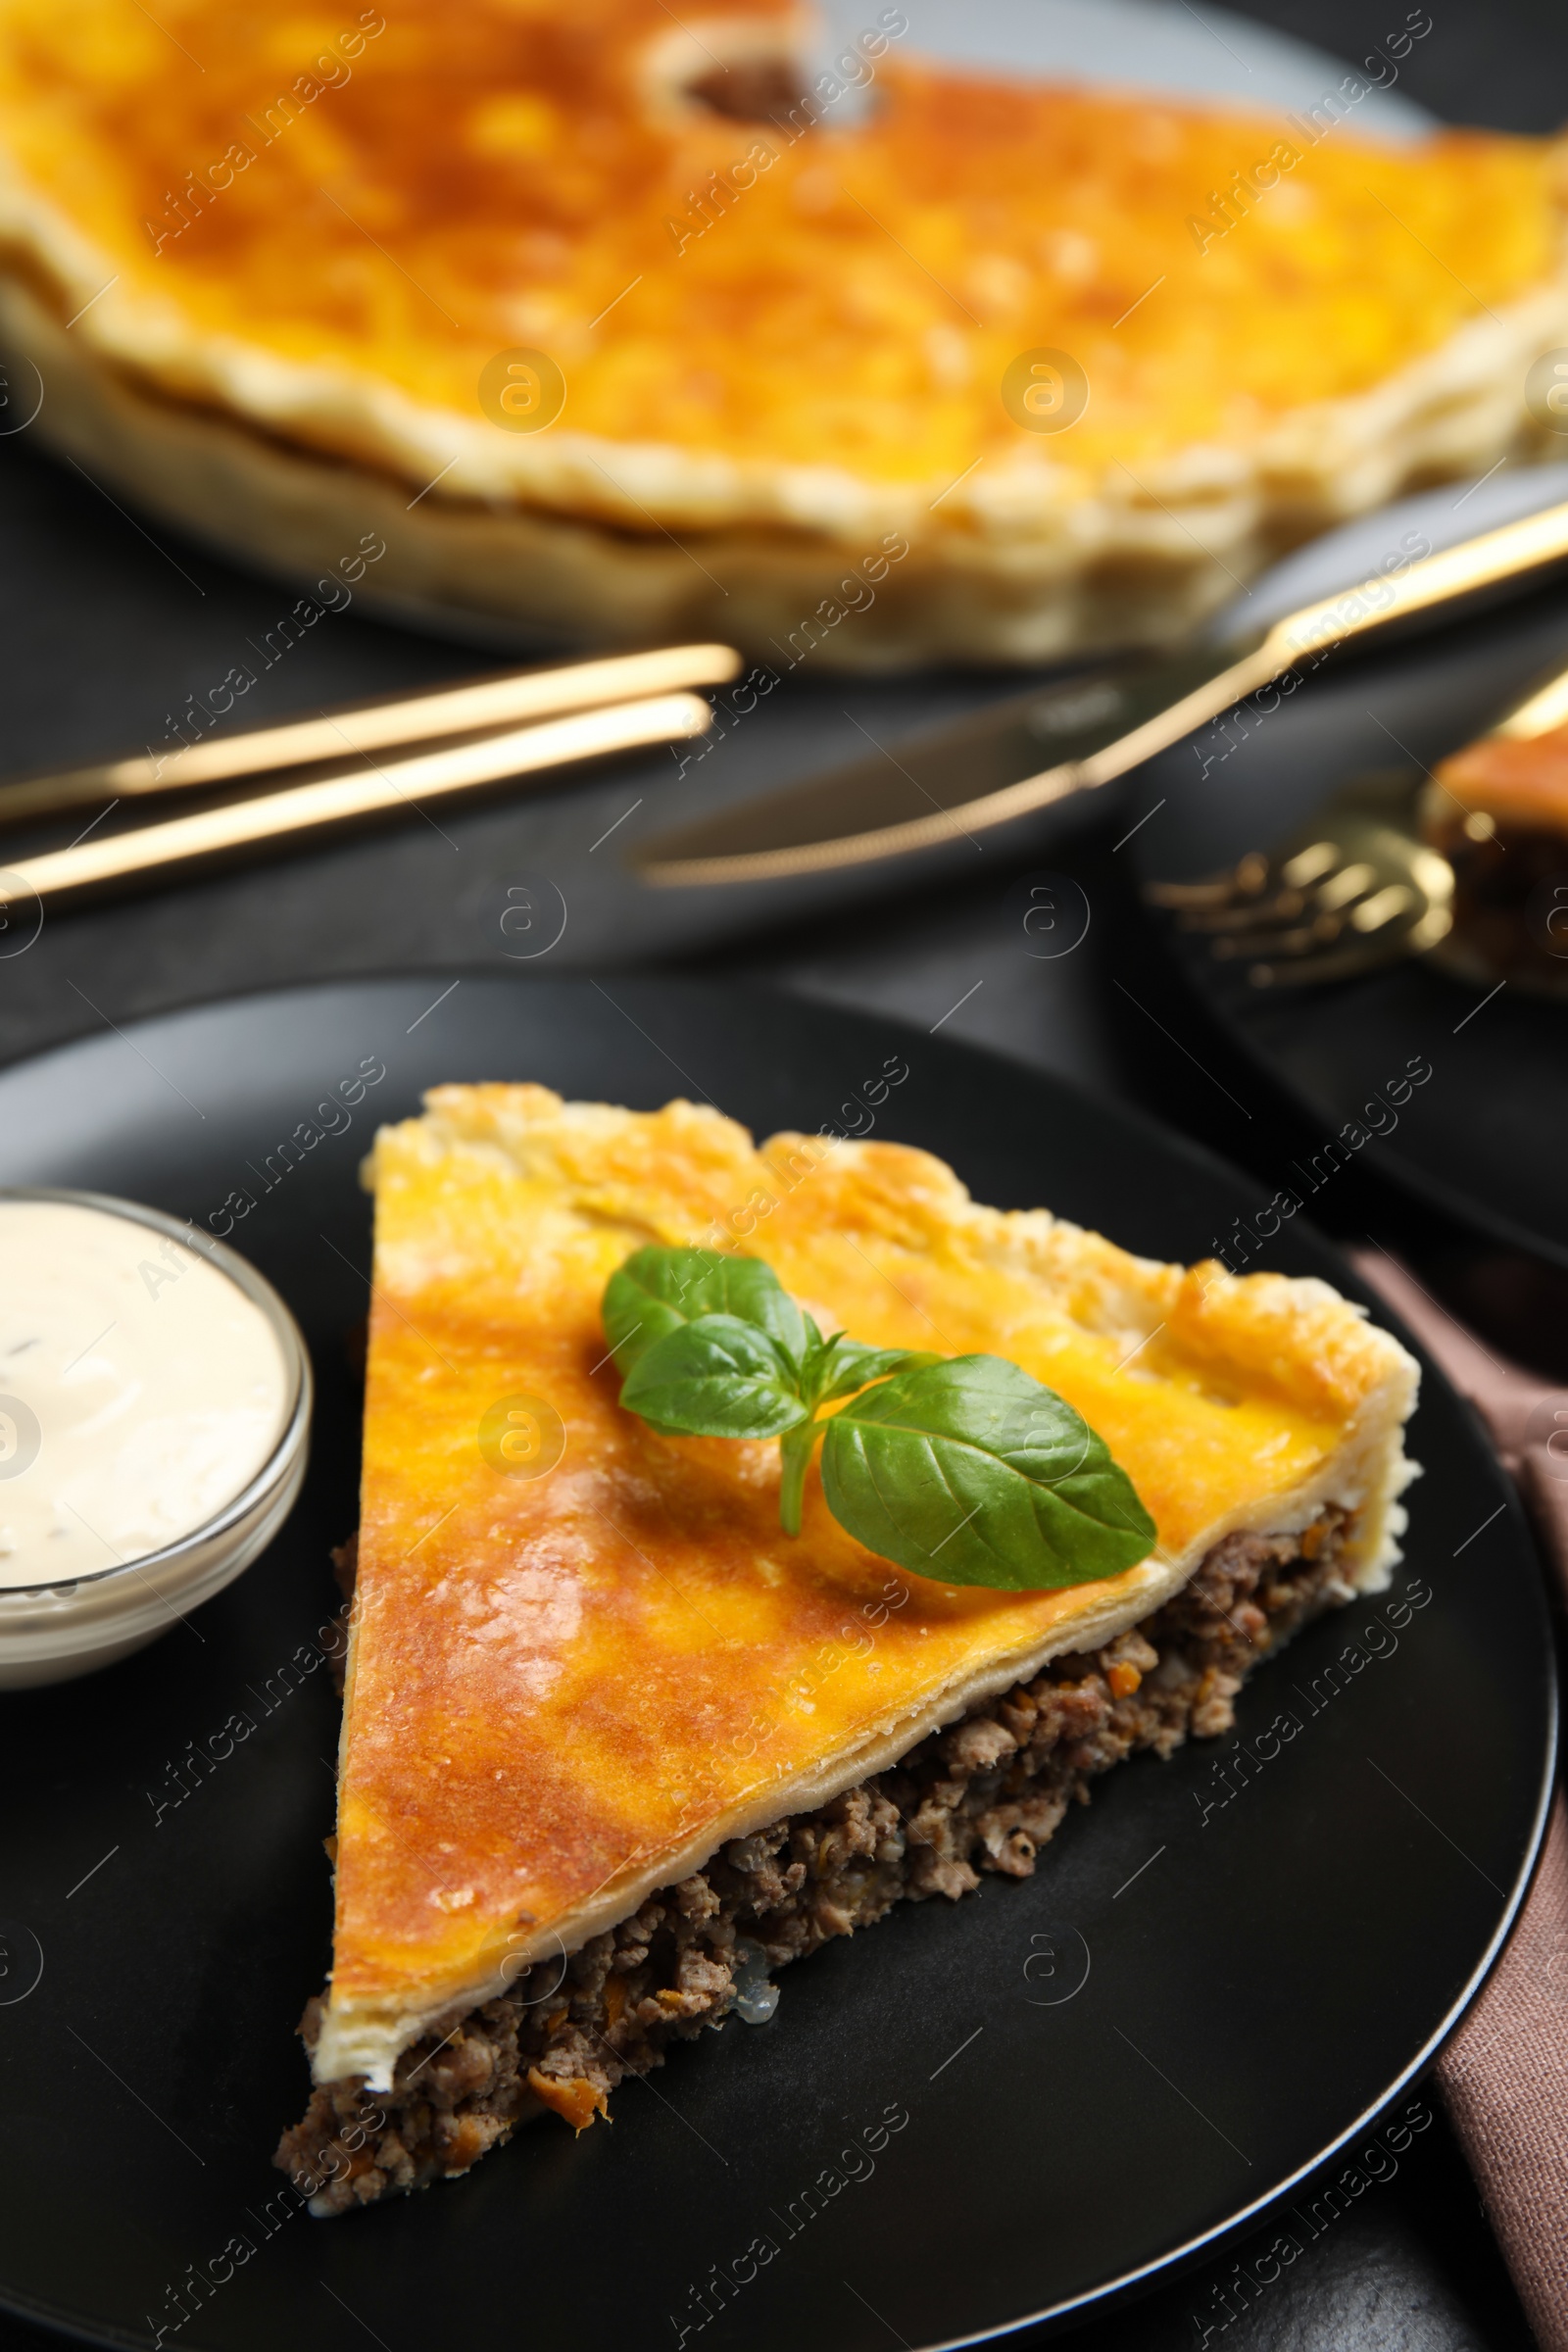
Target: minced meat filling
{"points": [[984, 1795]]}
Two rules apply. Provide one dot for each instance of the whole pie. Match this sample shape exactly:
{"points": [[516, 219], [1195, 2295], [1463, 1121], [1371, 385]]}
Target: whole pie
{"points": [[614, 1747], [624, 321]]}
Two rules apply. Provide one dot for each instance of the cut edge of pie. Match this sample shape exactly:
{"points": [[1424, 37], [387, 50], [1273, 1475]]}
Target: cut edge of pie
{"points": [[984, 1796], [508, 1185]]}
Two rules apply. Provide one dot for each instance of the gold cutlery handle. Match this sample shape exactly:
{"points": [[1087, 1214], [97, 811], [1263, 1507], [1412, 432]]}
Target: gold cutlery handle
{"points": [[518, 696], [1499, 554], [331, 800], [1547, 708], [1482, 563]]}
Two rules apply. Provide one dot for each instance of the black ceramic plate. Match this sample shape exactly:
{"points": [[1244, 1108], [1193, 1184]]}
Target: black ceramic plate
{"points": [[1485, 1137], [969, 2117]]}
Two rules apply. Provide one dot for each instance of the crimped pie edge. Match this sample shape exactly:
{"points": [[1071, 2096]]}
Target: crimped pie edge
{"points": [[1014, 564]]}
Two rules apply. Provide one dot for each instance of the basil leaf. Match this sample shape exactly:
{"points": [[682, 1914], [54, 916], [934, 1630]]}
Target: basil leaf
{"points": [[657, 1290], [968, 1471], [717, 1377]]}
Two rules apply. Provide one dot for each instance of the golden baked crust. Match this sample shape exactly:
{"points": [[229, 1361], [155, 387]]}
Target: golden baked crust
{"points": [[302, 240], [566, 1690]]}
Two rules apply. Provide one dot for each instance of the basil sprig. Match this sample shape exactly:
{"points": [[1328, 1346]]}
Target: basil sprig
{"points": [[963, 1468]]}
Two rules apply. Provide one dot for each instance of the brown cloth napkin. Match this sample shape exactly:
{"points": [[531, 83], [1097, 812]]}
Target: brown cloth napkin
{"points": [[1504, 2073]]}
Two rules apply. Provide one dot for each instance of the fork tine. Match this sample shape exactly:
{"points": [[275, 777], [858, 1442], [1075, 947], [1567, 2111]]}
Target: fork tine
{"points": [[1378, 911], [1177, 895], [1322, 932], [1310, 864], [1247, 879], [1300, 972], [1284, 907], [1350, 882]]}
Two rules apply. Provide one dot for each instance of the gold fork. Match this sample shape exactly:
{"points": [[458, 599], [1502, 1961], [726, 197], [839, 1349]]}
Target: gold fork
{"points": [[1353, 889]]}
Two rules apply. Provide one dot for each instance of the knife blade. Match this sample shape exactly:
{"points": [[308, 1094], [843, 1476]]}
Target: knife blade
{"points": [[987, 769]]}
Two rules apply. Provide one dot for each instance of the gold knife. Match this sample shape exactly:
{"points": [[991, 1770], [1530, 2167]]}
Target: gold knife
{"points": [[1091, 729]]}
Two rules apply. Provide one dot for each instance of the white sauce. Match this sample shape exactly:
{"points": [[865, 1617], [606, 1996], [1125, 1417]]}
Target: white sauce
{"points": [[151, 1391]]}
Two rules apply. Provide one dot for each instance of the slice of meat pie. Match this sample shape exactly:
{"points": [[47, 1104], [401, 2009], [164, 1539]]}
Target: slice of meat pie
{"points": [[614, 1747]]}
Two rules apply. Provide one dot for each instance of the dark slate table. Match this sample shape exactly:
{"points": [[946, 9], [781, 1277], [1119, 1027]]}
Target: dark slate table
{"points": [[107, 631]]}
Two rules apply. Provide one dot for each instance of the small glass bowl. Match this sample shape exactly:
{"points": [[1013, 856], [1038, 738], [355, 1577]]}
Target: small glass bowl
{"points": [[51, 1632]]}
